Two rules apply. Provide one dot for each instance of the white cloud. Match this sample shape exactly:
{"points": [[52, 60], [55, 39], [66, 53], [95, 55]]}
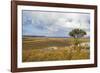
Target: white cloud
{"points": [[53, 21]]}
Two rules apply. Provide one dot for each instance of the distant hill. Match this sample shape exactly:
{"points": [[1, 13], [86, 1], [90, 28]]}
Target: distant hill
{"points": [[32, 36], [44, 36], [49, 36]]}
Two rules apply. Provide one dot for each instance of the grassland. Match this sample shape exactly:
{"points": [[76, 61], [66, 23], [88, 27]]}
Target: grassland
{"points": [[50, 49]]}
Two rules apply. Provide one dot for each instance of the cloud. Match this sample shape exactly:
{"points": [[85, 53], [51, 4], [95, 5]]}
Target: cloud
{"points": [[54, 23]]}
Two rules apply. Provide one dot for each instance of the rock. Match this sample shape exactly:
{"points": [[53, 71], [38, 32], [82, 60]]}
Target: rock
{"points": [[51, 48]]}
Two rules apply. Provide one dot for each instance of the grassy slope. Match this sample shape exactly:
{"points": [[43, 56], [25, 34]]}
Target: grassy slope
{"points": [[34, 49]]}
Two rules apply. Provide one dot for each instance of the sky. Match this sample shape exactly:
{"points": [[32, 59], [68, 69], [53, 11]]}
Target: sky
{"points": [[53, 24]]}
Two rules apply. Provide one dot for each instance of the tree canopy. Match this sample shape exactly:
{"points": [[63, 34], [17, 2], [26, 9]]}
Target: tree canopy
{"points": [[77, 33]]}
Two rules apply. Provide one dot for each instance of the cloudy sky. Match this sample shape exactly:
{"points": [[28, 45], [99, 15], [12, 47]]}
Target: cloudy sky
{"points": [[53, 24]]}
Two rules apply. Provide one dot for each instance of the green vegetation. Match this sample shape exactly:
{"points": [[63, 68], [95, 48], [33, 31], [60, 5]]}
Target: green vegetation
{"points": [[77, 33]]}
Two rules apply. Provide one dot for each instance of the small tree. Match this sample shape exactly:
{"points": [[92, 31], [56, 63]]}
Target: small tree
{"points": [[77, 33]]}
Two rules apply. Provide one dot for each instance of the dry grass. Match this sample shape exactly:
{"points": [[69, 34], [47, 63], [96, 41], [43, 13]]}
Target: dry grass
{"points": [[35, 50]]}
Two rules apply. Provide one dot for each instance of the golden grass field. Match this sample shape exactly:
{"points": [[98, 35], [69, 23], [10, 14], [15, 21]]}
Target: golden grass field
{"points": [[51, 49]]}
